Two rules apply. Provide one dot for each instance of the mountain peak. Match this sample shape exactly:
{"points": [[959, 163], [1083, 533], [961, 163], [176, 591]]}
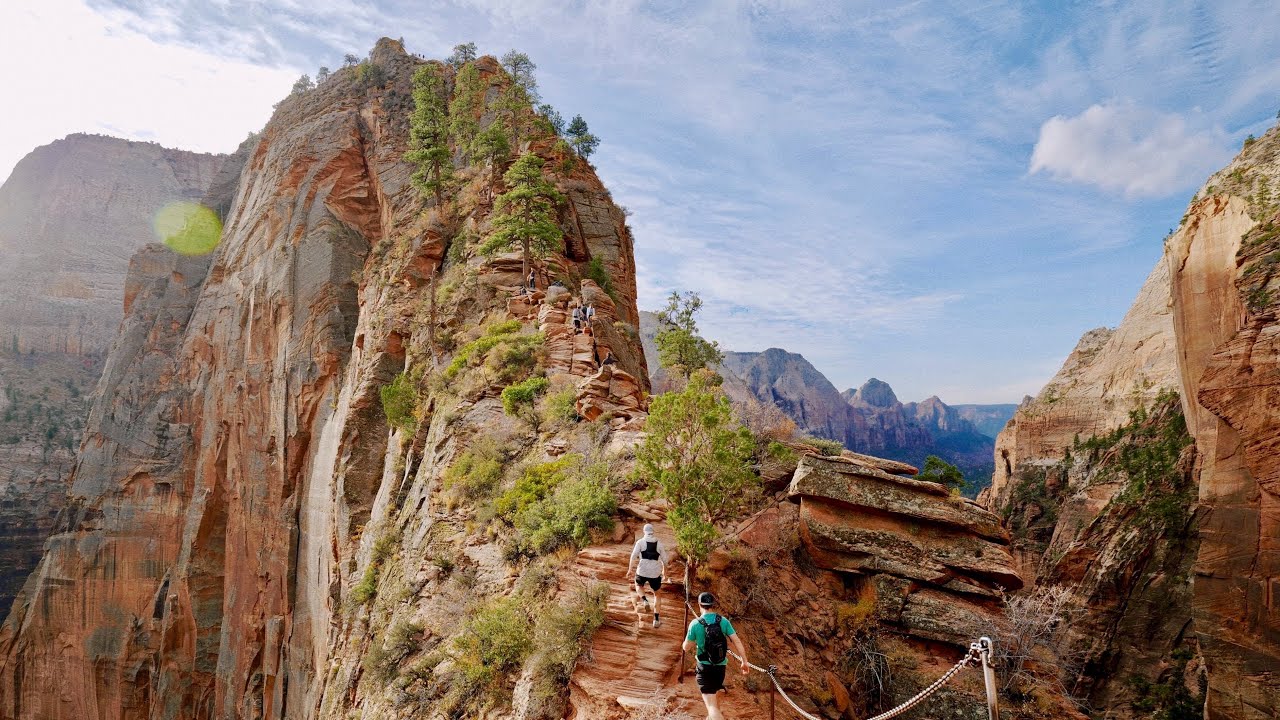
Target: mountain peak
{"points": [[875, 393]]}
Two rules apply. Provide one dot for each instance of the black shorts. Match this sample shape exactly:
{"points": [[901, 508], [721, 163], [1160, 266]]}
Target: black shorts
{"points": [[654, 583], [710, 678]]}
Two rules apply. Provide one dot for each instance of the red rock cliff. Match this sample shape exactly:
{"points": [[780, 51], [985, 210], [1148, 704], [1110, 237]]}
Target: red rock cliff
{"points": [[71, 214], [232, 478]]}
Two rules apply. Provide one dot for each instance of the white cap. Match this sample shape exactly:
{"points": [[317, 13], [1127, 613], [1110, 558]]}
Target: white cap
{"points": [[648, 529]]}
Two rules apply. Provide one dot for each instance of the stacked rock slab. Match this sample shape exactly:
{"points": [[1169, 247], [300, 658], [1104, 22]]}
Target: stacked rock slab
{"points": [[939, 562]]}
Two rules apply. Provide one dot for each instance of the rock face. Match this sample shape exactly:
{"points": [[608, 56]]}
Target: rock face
{"points": [[238, 465], [71, 214], [43, 403], [1204, 325], [1223, 265], [1119, 535]]}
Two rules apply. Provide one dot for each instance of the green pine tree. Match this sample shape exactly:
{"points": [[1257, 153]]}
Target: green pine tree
{"points": [[468, 97], [697, 456], [583, 142], [940, 471], [519, 96], [429, 134], [525, 215], [680, 349]]}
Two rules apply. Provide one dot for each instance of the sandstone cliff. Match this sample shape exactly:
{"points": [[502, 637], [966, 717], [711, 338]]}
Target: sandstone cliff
{"points": [[1223, 262], [1110, 373], [71, 214], [238, 465], [1194, 599]]}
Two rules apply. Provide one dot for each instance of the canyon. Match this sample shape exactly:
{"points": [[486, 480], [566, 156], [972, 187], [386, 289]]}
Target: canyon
{"points": [[293, 492], [283, 502]]}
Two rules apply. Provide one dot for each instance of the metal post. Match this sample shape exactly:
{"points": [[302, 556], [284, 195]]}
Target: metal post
{"points": [[773, 692], [989, 675]]}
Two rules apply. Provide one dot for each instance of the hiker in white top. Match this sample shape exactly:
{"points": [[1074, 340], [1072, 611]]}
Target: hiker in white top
{"points": [[651, 557], [589, 315]]}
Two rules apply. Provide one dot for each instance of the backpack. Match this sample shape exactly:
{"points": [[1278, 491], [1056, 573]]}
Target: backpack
{"points": [[650, 551], [716, 647]]}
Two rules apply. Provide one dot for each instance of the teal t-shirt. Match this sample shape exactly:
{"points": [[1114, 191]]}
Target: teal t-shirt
{"points": [[698, 634]]}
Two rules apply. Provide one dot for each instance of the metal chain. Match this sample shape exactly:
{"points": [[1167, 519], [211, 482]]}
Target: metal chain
{"points": [[970, 658], [977, 652]]}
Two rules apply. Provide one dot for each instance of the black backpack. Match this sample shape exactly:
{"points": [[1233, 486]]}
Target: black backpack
{"points": [[650, 551], [716, 647]]}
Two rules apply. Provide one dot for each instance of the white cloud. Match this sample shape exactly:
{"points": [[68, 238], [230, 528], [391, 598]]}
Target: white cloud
{"points": [[1122, 146], [76, 70]]}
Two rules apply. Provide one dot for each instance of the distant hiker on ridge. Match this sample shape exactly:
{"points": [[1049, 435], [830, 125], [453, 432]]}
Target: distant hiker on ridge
{"points": [[533, 280], [709, 636], [652, 557]]}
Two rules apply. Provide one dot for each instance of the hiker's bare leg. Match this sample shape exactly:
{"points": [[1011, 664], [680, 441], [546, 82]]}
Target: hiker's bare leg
{"points": [[713, 707]]}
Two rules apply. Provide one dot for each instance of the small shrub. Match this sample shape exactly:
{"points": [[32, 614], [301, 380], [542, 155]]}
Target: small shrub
{"points": [[940, 471], [829, 448], [597, 273], [383, 548], [535, 484], [517, 354], [568, 514], [780, 453], [495, 641], [522, 395], [477, 472], [400, 402], [560, 408], [367, 588], [562, 633], [385, 654], [853, 616]]}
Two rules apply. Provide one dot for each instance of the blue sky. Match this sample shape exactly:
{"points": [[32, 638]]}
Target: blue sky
{"points": [[941, 195]]}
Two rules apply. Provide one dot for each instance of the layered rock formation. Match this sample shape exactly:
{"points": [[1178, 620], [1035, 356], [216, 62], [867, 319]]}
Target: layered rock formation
{"points": [[937, 560], [860, 564], [1107, 375], [71, 214]]}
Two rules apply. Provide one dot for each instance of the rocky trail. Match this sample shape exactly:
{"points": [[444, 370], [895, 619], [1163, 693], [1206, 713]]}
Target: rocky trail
{"points": [[630, 664]]}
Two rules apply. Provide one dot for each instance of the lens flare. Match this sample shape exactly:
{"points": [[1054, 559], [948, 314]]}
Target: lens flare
{"points": [[188, 228]]}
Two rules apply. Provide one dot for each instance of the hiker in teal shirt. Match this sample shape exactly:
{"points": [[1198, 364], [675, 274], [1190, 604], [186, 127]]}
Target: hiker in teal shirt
{"points": [[710, 636]]}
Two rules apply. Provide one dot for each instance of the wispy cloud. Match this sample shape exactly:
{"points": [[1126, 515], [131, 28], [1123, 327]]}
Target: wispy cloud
{"points": [[846, 180]]}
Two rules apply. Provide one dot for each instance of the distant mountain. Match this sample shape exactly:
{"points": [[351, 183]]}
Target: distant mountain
{"points": [[869, 419], [988, 419]]}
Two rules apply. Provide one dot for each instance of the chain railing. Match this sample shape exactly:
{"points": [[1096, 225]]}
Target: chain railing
{"points": [[979, 654]]}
